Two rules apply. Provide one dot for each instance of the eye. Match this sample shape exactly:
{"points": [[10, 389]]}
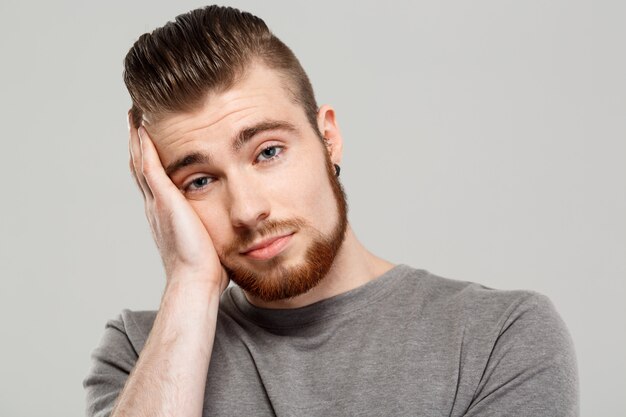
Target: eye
{"points": [[269, 153], [197, 184]]}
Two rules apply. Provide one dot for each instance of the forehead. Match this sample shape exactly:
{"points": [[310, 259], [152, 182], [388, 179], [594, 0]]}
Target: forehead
{"points": [[260, 95]]}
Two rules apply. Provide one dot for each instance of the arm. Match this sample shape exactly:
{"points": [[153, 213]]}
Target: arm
{"points": [[170, 374], [532, 367]]}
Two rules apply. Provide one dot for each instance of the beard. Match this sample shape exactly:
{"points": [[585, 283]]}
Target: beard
{"points": [[276, 281]]}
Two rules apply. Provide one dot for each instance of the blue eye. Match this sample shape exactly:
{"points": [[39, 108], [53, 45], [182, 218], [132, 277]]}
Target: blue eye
{"points": [[198, 184], [269, 153]]}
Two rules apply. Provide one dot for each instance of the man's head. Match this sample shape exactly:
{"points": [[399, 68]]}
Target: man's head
{"points": [[235, 122], [172, 69]]}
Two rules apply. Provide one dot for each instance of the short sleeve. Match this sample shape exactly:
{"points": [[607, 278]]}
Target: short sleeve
{"points": [[112, 361], [531, 370]]}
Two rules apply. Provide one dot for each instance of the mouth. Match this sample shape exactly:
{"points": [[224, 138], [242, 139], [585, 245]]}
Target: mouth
{"points": [[268, 248]]}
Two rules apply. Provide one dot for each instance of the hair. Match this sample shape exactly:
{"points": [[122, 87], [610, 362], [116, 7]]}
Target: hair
{"points": [[173, 68]]}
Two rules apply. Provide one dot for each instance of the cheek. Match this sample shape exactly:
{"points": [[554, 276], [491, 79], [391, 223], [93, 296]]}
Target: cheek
{"points": [[306, 193]]}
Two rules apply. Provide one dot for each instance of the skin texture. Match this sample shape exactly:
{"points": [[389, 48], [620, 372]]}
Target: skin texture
{"points": [[237, 194], [274, 150]]}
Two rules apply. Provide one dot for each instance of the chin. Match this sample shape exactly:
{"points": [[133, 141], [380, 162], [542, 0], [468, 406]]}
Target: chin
{"points": [[278, 279]]}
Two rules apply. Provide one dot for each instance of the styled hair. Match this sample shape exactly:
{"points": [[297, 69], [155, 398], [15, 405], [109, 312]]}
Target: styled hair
{"points": [[173, 68]]}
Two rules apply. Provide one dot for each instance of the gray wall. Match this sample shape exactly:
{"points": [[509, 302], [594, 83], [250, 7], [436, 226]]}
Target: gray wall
{"points": [[485, 141]]}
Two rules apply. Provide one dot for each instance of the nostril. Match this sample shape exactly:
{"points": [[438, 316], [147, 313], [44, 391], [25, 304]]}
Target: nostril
{"points": [[248, 215], [248, 202]]}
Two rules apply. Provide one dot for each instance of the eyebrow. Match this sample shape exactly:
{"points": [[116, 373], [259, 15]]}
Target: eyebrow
{"points": [[244, 136], [193, 158]]}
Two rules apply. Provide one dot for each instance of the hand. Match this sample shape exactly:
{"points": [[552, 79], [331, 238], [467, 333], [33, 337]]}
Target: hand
{"points": [[184, 244]]}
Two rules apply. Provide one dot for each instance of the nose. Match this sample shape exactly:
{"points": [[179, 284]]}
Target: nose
{"points": [[249, 204]]}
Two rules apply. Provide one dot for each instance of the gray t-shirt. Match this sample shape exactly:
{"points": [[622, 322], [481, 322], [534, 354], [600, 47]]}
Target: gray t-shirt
{"points": [[408, 343]]}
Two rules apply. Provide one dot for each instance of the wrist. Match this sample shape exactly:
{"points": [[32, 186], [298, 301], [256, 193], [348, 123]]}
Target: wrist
{"points": [[182, 280], [188, 311], [189, 290]]}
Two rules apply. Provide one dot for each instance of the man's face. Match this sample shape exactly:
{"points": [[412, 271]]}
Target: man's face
{"points": [[262, 183]]}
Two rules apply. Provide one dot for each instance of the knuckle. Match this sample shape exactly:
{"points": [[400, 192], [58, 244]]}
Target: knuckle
{"points": [[147, 171]]}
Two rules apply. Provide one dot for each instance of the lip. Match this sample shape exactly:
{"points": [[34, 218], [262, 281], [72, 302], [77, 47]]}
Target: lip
{"points": [[268, 248]]}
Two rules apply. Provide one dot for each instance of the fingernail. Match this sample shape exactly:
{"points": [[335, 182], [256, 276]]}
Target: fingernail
{"points": [[128, 120], [140, 131]]}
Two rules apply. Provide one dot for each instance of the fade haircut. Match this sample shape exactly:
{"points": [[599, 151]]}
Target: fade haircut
{"points": [[173, 68]]}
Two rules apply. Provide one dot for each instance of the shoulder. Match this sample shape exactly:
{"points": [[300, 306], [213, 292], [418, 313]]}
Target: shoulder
{"points": [[477, 304], [516, 351], [132, 327], [490, 313], [114, 358]]}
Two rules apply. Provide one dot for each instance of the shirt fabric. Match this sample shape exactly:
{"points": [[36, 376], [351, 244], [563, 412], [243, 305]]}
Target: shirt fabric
{"points": [[408, 343]]}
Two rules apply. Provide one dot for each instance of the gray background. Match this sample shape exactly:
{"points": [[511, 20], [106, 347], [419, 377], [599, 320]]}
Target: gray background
{"points": [[485, 141]]}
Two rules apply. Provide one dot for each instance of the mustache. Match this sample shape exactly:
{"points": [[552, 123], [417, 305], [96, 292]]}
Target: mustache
{"points": [[247, 237]]}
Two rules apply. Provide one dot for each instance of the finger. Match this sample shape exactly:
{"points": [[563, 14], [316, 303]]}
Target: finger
{"points": [[136, 159], [152, 169], [132, 174], [131, 159]]}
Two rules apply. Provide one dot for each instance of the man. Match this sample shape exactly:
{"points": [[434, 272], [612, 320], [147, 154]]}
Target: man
{"points": [[239, 170]]}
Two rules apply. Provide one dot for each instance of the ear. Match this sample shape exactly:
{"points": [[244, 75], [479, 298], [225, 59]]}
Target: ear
{"points": [[328, 127]]}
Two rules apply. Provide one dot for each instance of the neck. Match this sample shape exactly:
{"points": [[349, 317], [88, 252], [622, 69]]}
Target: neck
{"points": [[353, 266]]}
